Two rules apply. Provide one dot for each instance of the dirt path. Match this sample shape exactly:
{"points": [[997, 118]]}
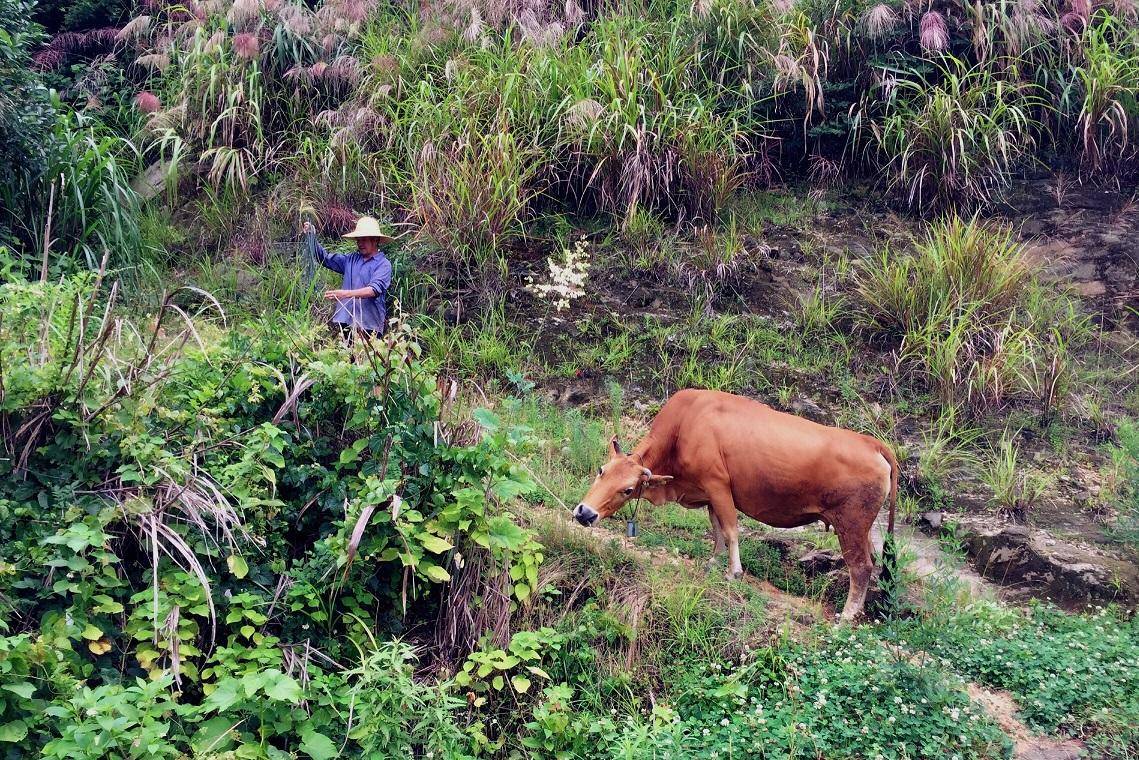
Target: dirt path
{"points": [[931, 563], [1026, 745]]}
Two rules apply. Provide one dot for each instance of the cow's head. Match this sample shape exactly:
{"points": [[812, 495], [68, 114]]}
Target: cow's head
{"points": [[622, 478]]}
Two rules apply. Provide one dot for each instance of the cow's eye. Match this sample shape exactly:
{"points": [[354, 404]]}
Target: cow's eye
{"points": [[629, 491]]}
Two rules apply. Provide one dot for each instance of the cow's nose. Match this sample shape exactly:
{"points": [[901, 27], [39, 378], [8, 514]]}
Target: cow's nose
{"points": [[585, 515]]}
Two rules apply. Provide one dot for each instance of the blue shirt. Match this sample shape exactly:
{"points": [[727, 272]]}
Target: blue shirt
{"points": [[359, 272]]}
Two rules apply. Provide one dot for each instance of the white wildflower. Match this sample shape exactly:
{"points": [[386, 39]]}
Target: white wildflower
{"points": [[567, 278]]}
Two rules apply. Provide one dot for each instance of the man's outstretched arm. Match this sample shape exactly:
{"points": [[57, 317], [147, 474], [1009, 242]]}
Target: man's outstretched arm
{"points": [[333, 261]]}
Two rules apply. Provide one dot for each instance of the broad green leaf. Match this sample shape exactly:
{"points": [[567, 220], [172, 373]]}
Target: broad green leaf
{"points": [[487, 419], [317, 745], [497, 682], [521, 683], [284, 688], [505, 534], [538, 671], [435, 544], [23, 688], [224, 696], [213, 737], [237, 566], [436, 573], [14, 731], [91, 633], [507, 488], [106, 604]]}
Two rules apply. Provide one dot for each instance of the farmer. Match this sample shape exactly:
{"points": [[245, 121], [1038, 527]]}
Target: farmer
{"points": [[367, 276]]}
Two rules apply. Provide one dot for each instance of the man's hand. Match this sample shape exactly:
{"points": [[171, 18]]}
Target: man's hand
{"points": [[307, 227], [338, 295]]}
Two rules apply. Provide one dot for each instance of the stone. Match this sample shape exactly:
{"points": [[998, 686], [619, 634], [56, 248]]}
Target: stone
{"points": [[1092, 289], [1086, 271], [1014, 555], [150, 183], [812, 411], [821, 562], [1066, 751], [930, 522]]}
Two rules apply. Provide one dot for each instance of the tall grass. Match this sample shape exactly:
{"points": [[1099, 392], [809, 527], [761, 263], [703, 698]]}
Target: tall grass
{"points": [[1016, 488], [955, 137], [472, 120], [80, 208], [1106, 85], [962, 304], [641, 133]]}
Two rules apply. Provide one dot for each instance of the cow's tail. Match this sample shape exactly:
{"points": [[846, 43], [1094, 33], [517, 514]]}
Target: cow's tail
{"points": [[892, 460], [889, 574]]}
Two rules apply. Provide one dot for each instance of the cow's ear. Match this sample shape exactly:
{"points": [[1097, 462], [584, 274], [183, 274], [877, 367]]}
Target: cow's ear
{"points": [[654, 481], [616, 447]]}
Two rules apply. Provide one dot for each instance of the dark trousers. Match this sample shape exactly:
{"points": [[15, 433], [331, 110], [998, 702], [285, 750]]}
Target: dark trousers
{"points": [[348, 332]]}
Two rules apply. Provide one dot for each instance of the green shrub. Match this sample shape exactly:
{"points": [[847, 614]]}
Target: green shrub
{"points": [[965, 304], [954, 138], [177, 484], [26, 114]]}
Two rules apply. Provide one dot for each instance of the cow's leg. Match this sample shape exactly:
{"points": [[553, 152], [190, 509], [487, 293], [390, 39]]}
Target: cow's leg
{"points": [[724, 508], [717, 537], [854, 540]]}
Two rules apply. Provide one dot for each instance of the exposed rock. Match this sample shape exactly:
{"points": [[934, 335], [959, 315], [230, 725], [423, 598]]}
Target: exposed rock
{"points": [[150, 183], [641, 297], [783, 543], [573, 393], [812, 411], [820, 561], [1015, 555], [930, 521], [1092, 289]]}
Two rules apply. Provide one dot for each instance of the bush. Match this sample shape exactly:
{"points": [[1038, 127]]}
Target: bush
{"points": [[954, 138], [963, 304], [229, 530], [26, 115]]}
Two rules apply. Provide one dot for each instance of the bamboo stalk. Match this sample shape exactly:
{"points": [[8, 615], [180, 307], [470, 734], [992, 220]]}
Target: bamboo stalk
{"points": [[47, 232]]}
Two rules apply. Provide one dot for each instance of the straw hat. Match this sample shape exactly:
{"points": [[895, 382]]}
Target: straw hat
{"points": [[368, 227]]}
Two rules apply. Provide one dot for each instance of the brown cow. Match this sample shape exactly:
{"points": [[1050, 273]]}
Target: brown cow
{"points": [[727, 453]]}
